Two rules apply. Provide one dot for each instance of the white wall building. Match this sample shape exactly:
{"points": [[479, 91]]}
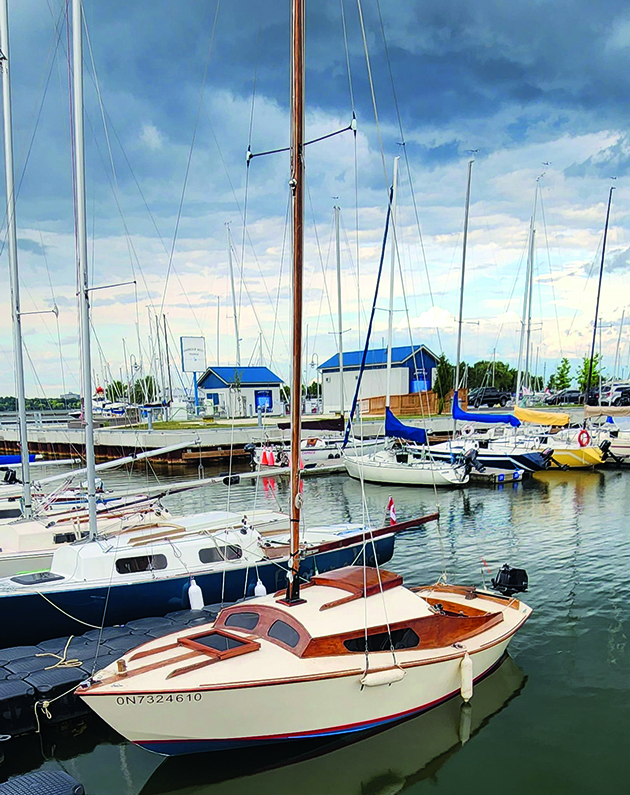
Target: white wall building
{"points": [[240, 391]]}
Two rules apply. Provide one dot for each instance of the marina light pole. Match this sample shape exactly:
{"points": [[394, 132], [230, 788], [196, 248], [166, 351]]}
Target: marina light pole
{"points": [[14, 278]]}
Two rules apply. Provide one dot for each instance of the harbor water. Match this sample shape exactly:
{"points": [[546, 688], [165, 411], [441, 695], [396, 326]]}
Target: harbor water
{"points": [[552, 719]]}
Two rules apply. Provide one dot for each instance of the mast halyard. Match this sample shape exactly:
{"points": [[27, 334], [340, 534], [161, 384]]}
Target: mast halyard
{"points": [[83, 288], [297, 211], [461, 286], [599, 290], [390, 325], [18, 353], [339, 314], [238, 341]]}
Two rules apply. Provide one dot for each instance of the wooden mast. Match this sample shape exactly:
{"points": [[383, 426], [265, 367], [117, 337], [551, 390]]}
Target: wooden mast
{"points": [[297, 210]]}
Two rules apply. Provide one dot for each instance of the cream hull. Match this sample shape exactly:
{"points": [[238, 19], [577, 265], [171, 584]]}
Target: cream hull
{"points": [[431, 474], [215, 719]]}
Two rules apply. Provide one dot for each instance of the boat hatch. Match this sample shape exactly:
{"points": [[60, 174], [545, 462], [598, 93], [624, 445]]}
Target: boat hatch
{"points": [[36, 578]]}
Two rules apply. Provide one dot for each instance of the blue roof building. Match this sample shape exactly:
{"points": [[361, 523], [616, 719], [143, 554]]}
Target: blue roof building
{"points": [[241, 391], [412, 371]]}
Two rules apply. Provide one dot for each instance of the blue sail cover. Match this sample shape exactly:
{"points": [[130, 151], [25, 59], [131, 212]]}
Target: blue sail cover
{"points": [[467, 416], [394, 427]]}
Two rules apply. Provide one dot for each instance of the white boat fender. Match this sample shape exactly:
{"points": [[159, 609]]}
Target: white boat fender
{"points": [[385, 676], [259, 589], [195, 595], [465, 722], [466, 672]]}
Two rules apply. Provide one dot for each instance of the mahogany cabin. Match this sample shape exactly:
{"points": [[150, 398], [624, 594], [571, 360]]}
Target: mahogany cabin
{"points": [[449, 622]]}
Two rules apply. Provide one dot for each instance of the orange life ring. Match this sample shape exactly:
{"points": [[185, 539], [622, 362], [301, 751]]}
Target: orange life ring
{"points": [[584, 437]]}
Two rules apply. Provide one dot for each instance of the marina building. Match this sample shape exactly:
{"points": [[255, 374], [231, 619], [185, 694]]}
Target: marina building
{"points": [[413, 370], [240, 391]]}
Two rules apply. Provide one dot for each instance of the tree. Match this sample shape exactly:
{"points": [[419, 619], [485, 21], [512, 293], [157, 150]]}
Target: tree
{"points": [[443, 377], [561, 379], [481, 374], [115, 391], [582, 373], [144, 390]]}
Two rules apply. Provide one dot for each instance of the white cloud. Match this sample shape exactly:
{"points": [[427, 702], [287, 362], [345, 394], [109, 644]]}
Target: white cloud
{"points": [[151, 137]]}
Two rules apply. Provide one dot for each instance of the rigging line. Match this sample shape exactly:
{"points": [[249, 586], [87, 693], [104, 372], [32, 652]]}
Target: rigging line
{"points": [[37, 112], [249, 146], [347, 53], [319, 250], [52, 292], [355, 271], [553, 287], [325, 290], [284, 241], [190, 154], [407, 164]]}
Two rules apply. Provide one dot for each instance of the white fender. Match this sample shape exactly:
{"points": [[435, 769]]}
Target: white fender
{"points": [[385, 676], [466, 672], [259, 589], [195, 595]]}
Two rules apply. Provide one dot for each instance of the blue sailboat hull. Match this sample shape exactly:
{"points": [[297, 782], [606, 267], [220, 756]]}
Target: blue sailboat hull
{"points": [[530, 462], [14, 459], [29, 618]]}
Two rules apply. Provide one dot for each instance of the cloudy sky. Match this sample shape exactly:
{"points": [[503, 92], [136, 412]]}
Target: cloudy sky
{"points": [[535, 88]]}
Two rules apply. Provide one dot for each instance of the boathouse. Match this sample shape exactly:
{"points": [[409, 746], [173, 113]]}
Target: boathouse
{"points": [[413, 370], [241, 391]]}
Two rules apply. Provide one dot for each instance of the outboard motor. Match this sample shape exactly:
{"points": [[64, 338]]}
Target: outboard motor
{"points": [[608, 453], [10, 477], [548, 458], [510, 581], [472, 462], [250, 448]]}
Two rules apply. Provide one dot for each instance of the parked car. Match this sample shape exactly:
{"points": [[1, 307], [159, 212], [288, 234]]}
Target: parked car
{"points": [[488, 396], [565, 397], [623, 398]]}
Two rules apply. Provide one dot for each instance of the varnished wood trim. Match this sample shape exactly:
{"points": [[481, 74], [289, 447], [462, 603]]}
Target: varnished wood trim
{"points": [[463, 590], [143, 669], [216, 656]]}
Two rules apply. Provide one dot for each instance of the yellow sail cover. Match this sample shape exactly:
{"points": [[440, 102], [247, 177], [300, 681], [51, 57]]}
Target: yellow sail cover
{"points": [[541, 417]]}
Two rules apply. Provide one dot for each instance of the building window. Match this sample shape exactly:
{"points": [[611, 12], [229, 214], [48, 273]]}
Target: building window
{"points": [[213, 397], [263, 400]]}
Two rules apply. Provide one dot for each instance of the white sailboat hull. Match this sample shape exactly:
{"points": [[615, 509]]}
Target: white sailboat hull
{"points": [[417, 474], [176, 722]]}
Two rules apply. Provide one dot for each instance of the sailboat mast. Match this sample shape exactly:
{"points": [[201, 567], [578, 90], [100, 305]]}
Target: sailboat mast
{"points": [[84, 299], [599, 290], [18, 353], [528, 330], [461, 286], [390, 326], [238, 341], [339, 313], [297, 201], [525, 326]]}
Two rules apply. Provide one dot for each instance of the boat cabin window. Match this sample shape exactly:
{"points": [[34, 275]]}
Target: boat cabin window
{"points": [[247, 621], [217, 554], [404, 638], [36, 578], [218, 641], [64, 538], [217, 645], [141, 563], [281, 631]]}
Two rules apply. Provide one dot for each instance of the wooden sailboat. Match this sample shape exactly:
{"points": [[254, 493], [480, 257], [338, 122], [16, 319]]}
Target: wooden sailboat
{"points": [[311, 660]]}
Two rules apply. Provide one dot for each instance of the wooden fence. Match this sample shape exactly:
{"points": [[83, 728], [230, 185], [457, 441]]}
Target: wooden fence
{"points": [[417, 403]]}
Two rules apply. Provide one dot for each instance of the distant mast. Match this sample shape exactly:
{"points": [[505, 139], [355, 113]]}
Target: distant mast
{"points": [[526, 322], [599, 290], [83, 288], [14, 278], [339, 314], [390, 324], [238, 341], [461, 286]]}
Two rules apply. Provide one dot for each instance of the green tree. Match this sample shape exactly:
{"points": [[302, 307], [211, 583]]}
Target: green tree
{"points": [[443, 377], [115, 391], [561, 379], [144, 390], [582, 373], [485, 373]]}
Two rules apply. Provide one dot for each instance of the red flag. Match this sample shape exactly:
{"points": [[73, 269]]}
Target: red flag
{"points": [[391, 510]]}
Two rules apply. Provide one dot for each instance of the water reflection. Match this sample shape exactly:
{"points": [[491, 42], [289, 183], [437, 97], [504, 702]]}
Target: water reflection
{"points": [[387, 762]]}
